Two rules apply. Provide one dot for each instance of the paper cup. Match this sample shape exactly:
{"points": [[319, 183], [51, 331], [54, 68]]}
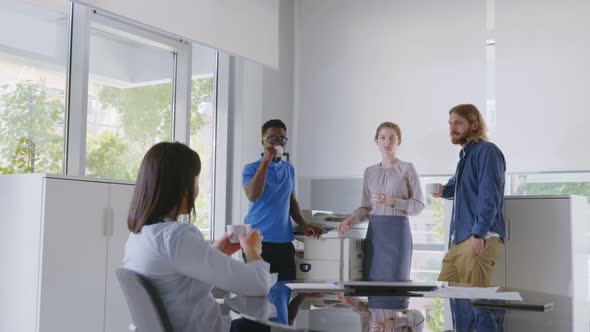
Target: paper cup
{"points": [[433, 188], [237, 230], [279, 151]]}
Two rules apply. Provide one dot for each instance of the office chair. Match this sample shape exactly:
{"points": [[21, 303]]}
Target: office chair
{"points": [[147, 311]]}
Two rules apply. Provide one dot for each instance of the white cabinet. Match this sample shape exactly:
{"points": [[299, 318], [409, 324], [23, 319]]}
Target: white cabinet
{"points": [[117, 314], [546, 251], [62, 238]]}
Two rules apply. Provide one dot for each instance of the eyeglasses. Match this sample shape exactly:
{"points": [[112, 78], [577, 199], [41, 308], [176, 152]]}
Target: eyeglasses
{"points": [[273, 139]]}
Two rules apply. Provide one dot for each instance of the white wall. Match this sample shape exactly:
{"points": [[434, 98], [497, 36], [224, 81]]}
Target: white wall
{"points": [[21, 22], [246, 28], [40, 27], [543, 75], [362, 63], [113, 60], [258, 94], [203, 60]]}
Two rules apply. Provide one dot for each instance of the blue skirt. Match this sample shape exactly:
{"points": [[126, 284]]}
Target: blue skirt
{"points": [[388, 249]]}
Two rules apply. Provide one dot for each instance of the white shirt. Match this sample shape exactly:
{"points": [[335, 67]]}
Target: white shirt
{"points": [[184, 267]]}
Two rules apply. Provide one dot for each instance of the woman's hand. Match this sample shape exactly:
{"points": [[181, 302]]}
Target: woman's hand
{"points": [[225, 246], [252, 245], [346, 225], [345, 299], [383, 325], [381, 198]]}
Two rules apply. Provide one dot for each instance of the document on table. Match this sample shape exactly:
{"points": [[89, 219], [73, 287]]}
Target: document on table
{"points": [[487, 293], [316, 287]]}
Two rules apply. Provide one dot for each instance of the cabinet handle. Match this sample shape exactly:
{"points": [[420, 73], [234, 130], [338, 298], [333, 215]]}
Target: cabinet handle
{"points": [[111, 221], [508, 229], [105, 217]]}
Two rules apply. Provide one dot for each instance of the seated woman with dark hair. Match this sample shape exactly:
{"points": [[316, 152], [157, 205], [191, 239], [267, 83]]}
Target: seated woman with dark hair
{"points": [[174, 256]]}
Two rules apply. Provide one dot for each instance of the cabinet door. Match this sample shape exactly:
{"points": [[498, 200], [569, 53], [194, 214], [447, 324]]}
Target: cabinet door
{"points": [[20, 244], [499, 270], [74, 256], [538, 244], [117, 316]]}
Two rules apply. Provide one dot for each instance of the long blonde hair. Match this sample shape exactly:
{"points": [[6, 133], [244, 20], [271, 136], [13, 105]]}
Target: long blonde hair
{"points": [[472, 115]]}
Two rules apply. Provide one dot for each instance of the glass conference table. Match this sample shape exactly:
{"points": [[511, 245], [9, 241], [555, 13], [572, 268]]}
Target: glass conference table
{"points": [[396, 309]]}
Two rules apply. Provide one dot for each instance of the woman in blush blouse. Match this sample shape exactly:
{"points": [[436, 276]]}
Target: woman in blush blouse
{"points": [[391, 192], [174, 256]]}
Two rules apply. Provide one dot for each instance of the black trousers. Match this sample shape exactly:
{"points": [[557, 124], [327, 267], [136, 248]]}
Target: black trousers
{"points": [[245, 325], [281, 257]]}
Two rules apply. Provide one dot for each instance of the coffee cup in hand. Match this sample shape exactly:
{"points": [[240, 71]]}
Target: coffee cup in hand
{"points": [[236, 231], [433, 188], [378, 197], [279, 150]]}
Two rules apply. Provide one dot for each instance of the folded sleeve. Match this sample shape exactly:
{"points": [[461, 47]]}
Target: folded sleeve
{"points": [[248, 174], [414, 204], [449, 188], [192, 256], [366, 197]]}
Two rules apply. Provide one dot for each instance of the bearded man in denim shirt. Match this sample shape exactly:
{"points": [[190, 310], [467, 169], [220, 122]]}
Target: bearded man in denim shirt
{"points": [[477, 225]]}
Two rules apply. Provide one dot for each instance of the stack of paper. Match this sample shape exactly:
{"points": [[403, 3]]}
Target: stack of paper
{"points": [[306, 287]]}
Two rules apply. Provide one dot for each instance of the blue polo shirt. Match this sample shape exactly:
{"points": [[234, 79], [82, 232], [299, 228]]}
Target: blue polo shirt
{"points": [[270, 213]]}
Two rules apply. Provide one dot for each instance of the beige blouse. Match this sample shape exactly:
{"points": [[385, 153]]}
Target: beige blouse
{"points": [[401, 181]]}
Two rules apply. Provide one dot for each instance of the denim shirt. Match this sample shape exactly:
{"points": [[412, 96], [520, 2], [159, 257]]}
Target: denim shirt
{"points": [[478, 191]]}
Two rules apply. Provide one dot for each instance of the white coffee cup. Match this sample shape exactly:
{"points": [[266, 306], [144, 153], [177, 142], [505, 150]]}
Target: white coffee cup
{"points": [[236, 231], [279, 150], [378, 197], [433, 188]]}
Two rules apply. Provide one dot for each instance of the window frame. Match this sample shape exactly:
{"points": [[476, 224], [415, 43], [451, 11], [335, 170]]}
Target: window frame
{"points": [[83, 18]]}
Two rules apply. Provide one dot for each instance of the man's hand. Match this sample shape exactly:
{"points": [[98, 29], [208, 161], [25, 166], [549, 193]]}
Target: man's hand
{"points": [[269, 153], [441, 189], [438, 194], [477, 245], [381, 198], [225, 246], [312, 231]]}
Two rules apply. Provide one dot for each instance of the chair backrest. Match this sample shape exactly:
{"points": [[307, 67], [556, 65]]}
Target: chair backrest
{"points": [[145, 306]]}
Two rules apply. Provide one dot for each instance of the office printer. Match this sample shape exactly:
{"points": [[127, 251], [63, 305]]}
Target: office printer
{"points": [[334, 256]]}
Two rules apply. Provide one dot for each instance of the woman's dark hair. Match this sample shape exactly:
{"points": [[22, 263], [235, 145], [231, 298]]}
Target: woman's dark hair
{"points": [[166, 174]]}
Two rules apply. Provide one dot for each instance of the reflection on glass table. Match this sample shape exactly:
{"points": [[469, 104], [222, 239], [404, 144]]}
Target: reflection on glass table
{"points": [[337, 310]]}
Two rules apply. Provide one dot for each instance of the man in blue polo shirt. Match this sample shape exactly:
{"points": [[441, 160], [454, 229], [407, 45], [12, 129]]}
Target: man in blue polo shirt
{"points": [[477, 224], [269, 184]]}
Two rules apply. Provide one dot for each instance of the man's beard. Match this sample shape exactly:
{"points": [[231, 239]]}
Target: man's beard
{"points": [[462, 138]]}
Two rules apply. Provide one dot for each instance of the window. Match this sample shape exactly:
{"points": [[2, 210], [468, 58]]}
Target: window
{"points": [[143, 87], [562, 183], [129, 102], [33, 44], [428, 235], [202, 130]]}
